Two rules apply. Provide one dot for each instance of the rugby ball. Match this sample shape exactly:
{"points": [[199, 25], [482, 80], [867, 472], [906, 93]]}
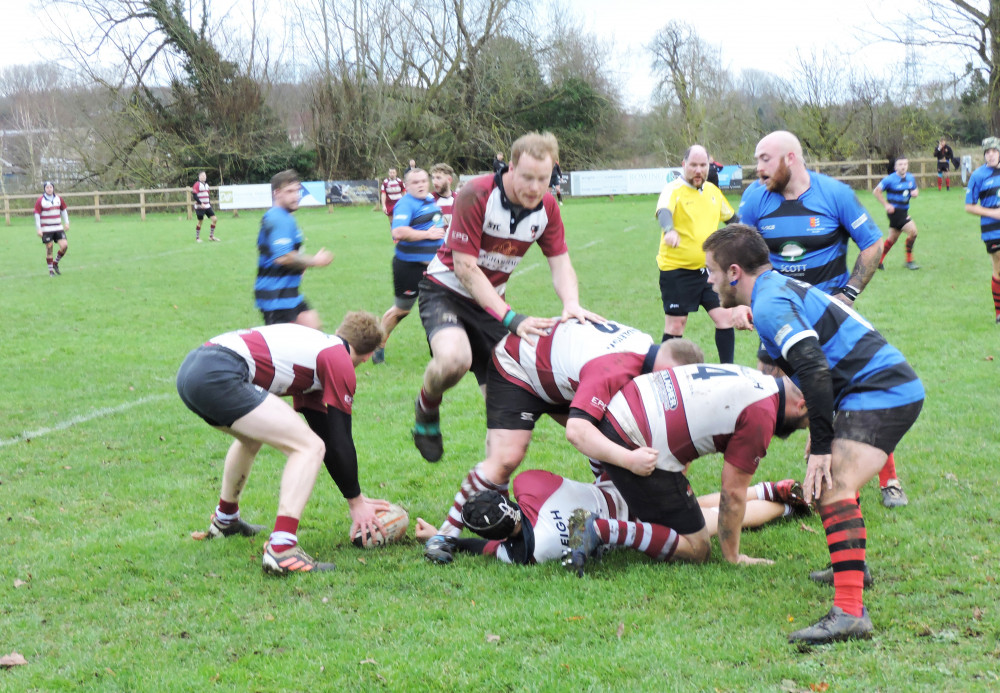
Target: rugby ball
{"points": [[395, 519]]}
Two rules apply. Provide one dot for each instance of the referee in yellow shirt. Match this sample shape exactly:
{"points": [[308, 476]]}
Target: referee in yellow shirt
{"points": [[689, 210]]}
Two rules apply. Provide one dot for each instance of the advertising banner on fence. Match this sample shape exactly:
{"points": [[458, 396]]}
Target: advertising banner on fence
{"points": [[245, 196], [641, 181], [352, 192], [314, 193]]}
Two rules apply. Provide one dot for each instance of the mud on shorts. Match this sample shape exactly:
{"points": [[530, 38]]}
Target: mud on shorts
{"points": [[442, 308], [880, 428], [214, 383], [683, 290]]}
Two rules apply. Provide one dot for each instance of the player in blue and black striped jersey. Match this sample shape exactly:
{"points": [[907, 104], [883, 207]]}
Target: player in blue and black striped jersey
{"points": [[280, 260], [982, 198], [418, 230], [806, 220], [894, 192], [861, 394]]}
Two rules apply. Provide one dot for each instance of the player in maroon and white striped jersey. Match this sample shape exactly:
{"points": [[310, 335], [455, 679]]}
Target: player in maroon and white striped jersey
{"points": [[578, 365], [678, 415], [462, 306], [442, 176], [392, 191], [234, 382], [546, 502], [52, 223], [203, 207]]}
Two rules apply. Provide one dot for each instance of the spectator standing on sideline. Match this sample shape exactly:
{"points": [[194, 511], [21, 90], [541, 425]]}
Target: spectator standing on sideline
{"points": [[497, 218], [234, 382], [983, 201], [862, 397], [556, 182], [713, 171], [899, 188], [806, 219], [52, 223], [391, 191], [281, 262], [203, 207], [689, 209], [412, 165], [418, 228], [945, 156], [498, 163]]}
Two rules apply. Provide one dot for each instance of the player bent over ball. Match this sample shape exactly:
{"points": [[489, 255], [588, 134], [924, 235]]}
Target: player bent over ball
{"points": [[234, 382]]}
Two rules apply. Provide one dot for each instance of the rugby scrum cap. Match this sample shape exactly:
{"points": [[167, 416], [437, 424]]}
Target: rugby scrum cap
{"points": [[48, 183], [991, 143], [491, 515]]}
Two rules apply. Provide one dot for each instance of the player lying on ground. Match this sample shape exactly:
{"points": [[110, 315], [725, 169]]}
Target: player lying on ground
{"points": [[535, 529]]}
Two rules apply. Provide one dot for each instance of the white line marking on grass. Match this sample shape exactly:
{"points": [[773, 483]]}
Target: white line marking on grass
{"points": [[83, 418], [70, 266], [592, 243], [630, 228]]}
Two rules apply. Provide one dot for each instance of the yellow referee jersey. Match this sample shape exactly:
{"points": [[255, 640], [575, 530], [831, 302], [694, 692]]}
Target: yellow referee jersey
{"points": [[697, 214]]}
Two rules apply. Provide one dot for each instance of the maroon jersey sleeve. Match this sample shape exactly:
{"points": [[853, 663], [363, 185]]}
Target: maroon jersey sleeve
{"points": [[38, 205], [335, 371], [553, 241], [466, 232], [601, 378], [754, 428]]}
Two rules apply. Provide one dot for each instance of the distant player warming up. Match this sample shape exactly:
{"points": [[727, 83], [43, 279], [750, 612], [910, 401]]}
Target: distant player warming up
{"points": [[203, 208], [52, 223]]}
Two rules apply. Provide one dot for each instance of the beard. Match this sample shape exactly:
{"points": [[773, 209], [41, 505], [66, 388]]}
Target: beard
{"points": [[779, 180]]}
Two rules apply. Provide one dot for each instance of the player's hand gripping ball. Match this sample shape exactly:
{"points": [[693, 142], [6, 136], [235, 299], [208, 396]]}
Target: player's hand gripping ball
{"points": [[395, 520]]}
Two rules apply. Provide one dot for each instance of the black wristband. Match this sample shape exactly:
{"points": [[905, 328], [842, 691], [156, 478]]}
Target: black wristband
{"points": [[515, 322], [850, 292]]}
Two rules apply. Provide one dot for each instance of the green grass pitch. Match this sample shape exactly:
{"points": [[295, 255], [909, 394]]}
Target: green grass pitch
{"points": [[104, 474]]}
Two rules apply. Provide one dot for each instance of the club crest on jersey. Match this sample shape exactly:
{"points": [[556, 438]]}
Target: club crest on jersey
{"points": [[813, 222], [791, 251]]}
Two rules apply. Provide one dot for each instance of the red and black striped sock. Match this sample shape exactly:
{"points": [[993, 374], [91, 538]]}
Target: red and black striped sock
{"points": [[909, 249], [995, 287], [846, 538], [656, 541], [885, 249], [888, 471]]}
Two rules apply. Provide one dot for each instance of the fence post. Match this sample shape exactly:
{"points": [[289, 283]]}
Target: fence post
{"points": [[187, 197], [97, 207], [142, 205], [868, 180], [6, 209]]}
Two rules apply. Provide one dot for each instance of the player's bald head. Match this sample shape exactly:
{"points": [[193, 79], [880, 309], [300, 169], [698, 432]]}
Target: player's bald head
{"points": [[781, 143]]}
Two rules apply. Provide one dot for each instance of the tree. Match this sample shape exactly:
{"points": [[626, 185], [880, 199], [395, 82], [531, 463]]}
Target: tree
{"points": [[973, 25], [212, 114]]}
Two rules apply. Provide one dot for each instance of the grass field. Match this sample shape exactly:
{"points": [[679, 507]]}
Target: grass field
{"points": [[104, 475]]}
